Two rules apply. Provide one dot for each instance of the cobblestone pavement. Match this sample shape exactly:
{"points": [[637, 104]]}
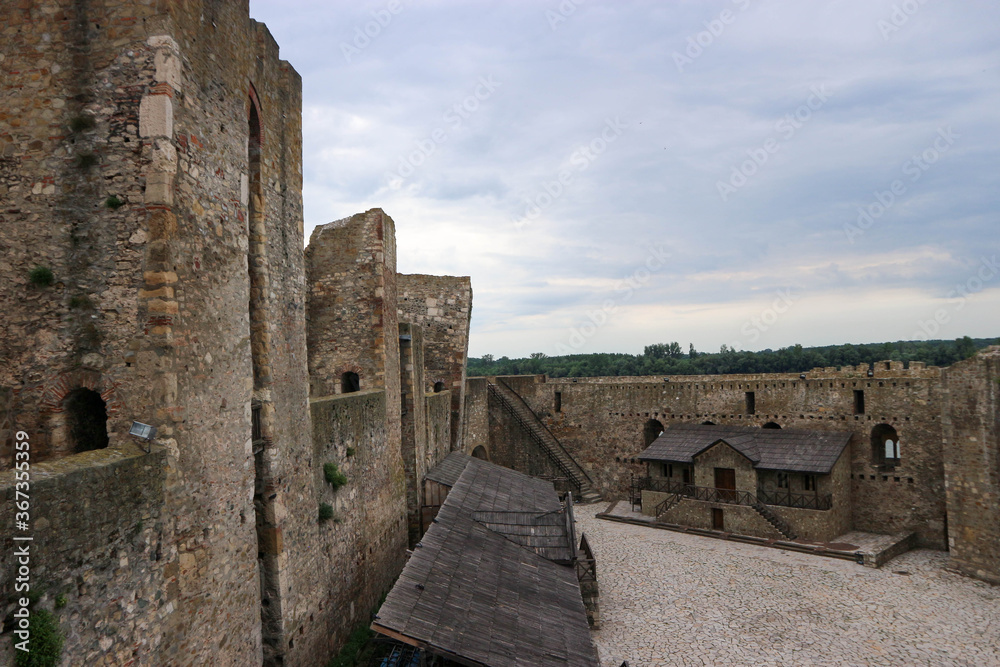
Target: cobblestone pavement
{"points": [[673, 599]]}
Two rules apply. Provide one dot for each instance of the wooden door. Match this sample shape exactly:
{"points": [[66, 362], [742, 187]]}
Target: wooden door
{"points": [[718, 523], [725, 482]]}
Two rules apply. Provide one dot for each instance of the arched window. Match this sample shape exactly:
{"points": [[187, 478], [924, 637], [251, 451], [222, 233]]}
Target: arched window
{"points": [[350, 382], [480, 453], [771, 425], [651, 431], [708, 423], [86, 420], [885, 445], [438, 387]]}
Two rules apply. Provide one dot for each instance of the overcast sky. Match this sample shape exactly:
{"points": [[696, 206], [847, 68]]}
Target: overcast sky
{"points": [[754, 173]]}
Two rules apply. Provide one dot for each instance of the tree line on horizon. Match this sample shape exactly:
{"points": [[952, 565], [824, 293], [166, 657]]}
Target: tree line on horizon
{"points": [[671, 359]]}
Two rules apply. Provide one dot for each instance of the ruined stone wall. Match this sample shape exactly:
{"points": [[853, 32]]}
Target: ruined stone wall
{"points": [[353, 326], [438, 428], [363, 547], [476, 427], [972, 463], [602, 422], [413, 423], [126, 172], [350, 269], [442, 307]]}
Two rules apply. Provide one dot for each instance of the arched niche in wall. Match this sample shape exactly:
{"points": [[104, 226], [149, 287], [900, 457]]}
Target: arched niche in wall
{"points": [[651, 431], [885, 445], [350, 382]]}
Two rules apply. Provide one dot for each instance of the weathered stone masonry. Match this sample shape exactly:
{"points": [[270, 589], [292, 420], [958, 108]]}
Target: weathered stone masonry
{"points": [[150, 158]]}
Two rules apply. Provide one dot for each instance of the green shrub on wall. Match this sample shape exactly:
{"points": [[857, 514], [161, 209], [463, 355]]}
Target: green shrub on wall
{"points": [[41, 276], [333, 476], [325, 512], [45, 644]]}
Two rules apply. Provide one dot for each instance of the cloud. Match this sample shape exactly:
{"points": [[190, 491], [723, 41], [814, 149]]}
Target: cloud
{"points": [[481, 200]]}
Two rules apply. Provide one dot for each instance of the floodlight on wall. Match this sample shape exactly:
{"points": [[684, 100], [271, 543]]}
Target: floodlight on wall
{"points": [[871, 373], [802, 376], [144, 432]]}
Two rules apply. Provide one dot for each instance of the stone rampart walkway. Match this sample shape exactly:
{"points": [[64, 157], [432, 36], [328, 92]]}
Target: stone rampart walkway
{"points": [[674, 599]]}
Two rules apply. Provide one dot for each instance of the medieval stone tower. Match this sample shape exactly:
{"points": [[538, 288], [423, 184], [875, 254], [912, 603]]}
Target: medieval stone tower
{"points": [[153, 271]]}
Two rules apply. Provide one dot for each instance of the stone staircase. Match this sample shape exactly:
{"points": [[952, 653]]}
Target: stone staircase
{"points": [[662, 508], [512, 403], [779, 524]]}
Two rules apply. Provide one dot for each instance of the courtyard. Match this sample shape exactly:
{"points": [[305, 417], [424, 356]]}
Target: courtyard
{"points": [[669, 598]]}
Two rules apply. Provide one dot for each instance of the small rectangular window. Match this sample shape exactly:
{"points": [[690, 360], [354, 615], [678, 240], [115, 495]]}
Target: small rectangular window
{"points": [[782, 480], [809, 482], [558, 401], [668, 470], [859, 401], [751, 403]]}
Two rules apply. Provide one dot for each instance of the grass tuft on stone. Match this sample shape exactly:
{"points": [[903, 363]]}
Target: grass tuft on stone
{"points": [[326, 512], [333, 476], [41, 276], [45, 643], [113, 202]]}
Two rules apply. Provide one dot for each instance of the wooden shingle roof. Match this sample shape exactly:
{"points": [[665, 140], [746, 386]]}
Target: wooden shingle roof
{"points": [[480, 597], [450, 469], [794, 450]]}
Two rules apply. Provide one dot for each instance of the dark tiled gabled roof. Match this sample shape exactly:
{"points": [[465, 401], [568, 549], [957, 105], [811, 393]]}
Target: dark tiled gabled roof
{"points": [[450, 469], [480, 597], [794, 450]]}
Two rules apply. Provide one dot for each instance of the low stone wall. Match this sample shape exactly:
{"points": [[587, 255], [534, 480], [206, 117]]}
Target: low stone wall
{"points": [[738, 519], [95, 520], [362, 549], [818, 525], [438, 427]]}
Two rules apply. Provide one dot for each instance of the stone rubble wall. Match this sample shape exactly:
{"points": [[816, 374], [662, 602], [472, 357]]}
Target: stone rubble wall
{"points": [[148, 103], [413, 424], [362, 549], [972, 464], [442, 307]]}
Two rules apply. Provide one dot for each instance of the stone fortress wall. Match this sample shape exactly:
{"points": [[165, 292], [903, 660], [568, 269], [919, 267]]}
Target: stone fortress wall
{"points": [[150, 158], [944, 487]]}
